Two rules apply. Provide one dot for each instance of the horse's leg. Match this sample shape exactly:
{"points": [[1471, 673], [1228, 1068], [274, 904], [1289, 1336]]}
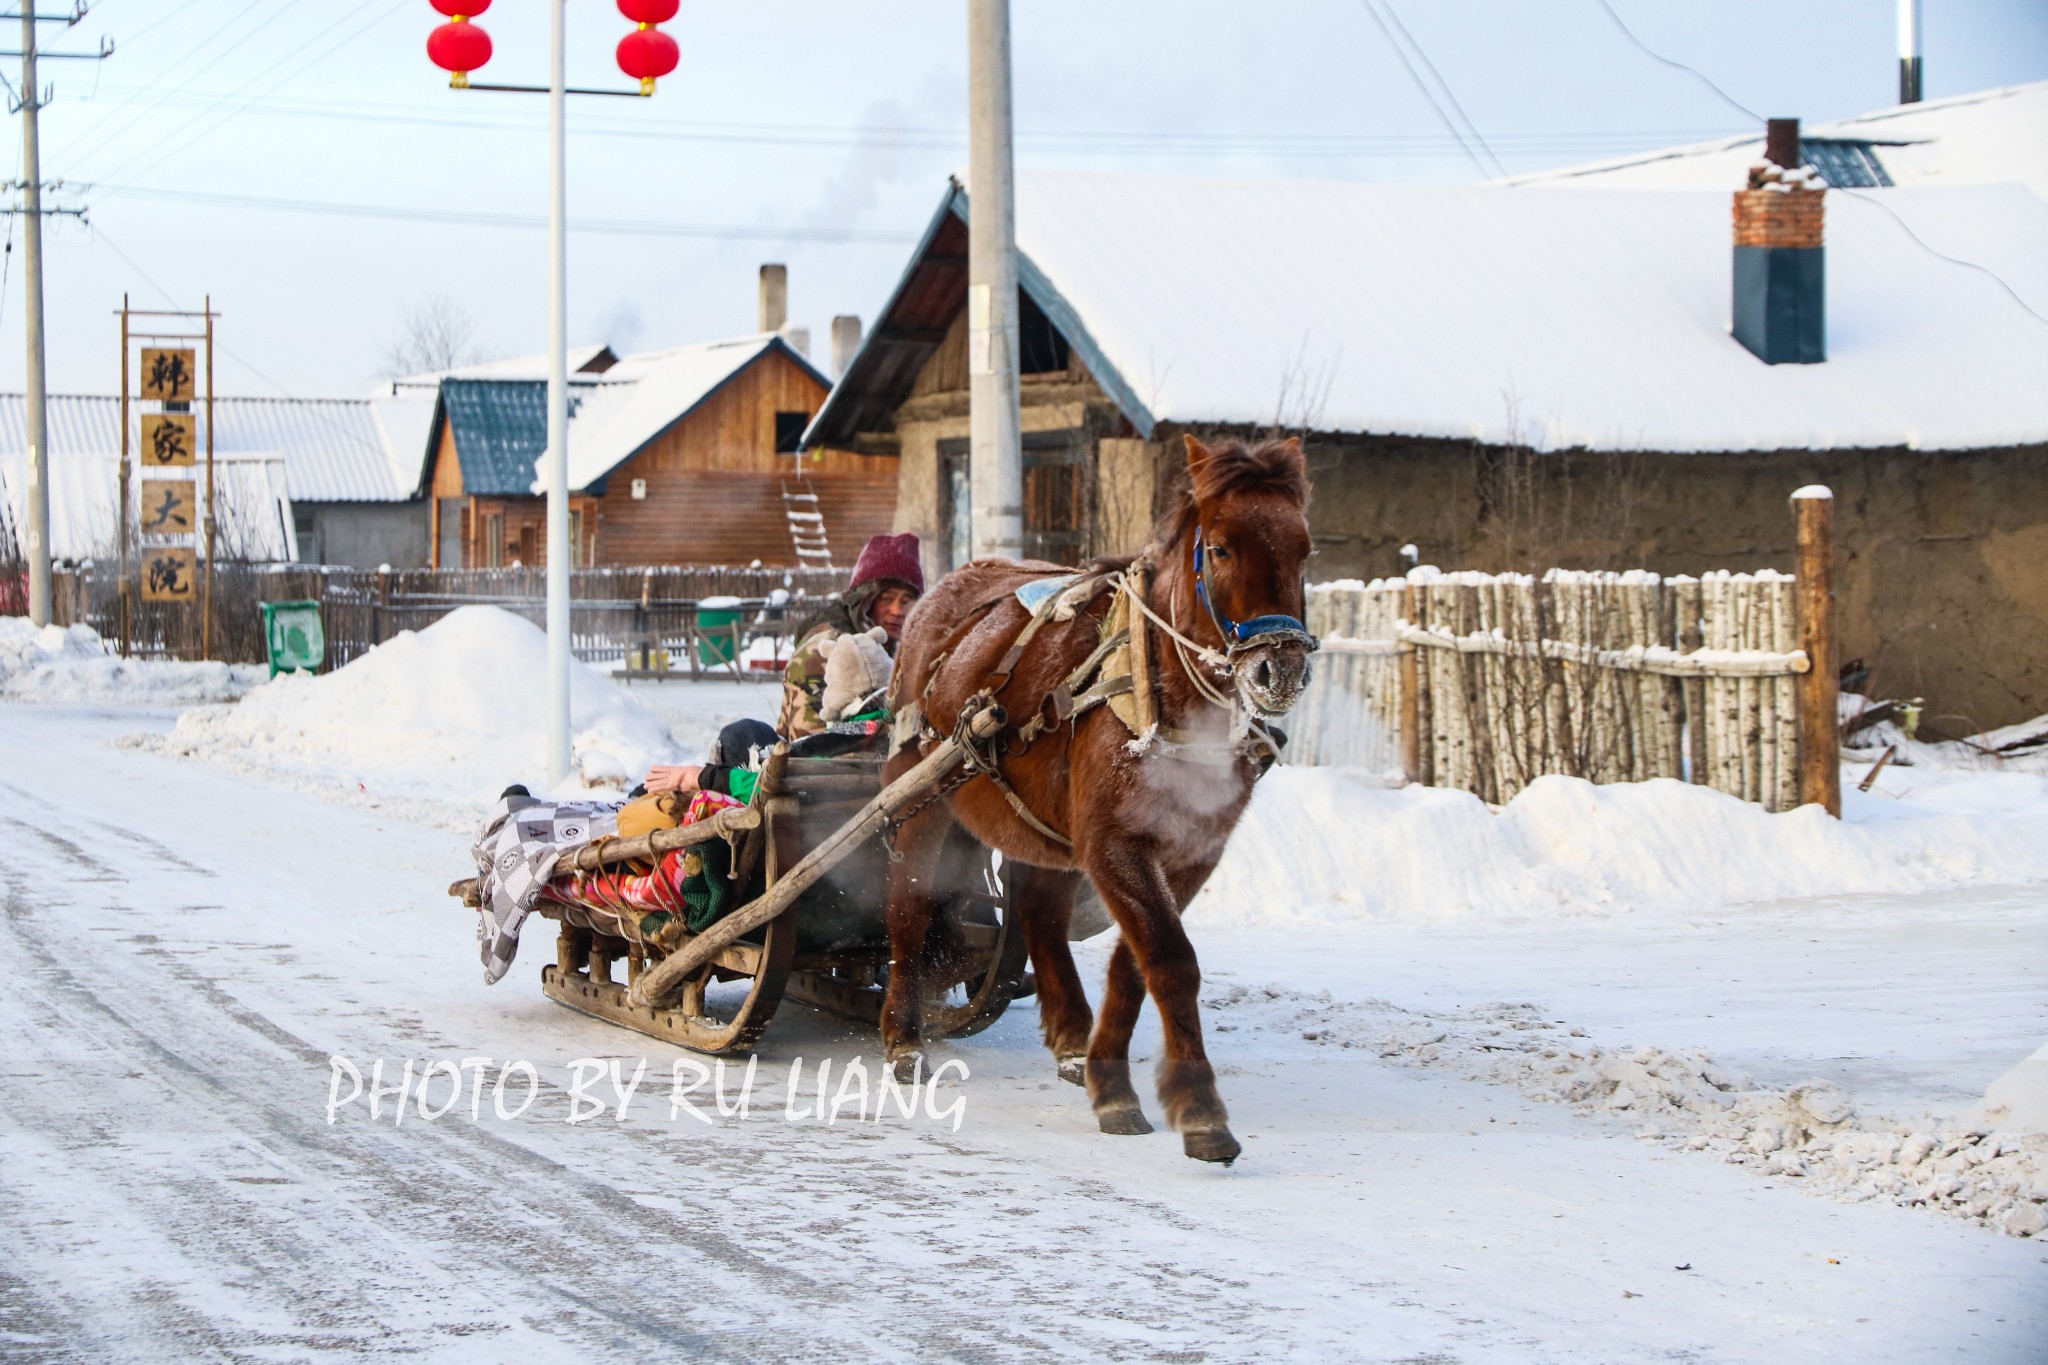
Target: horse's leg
{"points": [[1117, 1108], [912, 882], [1147, 907], [1044, 901]]}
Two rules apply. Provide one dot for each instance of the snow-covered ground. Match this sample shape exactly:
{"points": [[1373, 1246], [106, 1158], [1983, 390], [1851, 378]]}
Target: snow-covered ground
{"points": [[1616, 1073]]}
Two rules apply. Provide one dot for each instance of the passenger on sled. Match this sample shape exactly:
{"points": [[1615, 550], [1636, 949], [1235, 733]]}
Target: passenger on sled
{"points": [[835, 680]]}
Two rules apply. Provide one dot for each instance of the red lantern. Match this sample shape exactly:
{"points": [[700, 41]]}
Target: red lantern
{"points": [[649, 11], [460, 9], [459, 47], [647, 54]]}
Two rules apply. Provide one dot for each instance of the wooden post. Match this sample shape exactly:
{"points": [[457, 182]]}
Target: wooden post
{"points": [[1820, 759], [1411, 700]]}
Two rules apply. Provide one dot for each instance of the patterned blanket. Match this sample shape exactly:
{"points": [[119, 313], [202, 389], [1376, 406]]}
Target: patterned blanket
{"points": [[516, 856]]}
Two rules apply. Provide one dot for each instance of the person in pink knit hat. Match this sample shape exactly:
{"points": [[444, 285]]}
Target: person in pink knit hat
{"points": [[888, 578]]}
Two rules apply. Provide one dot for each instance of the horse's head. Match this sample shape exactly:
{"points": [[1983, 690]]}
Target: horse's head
{"points": [[1247, 547]]}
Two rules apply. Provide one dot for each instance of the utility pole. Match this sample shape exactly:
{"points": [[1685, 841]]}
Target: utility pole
{"points": [[32, 264], [560, 552], [996, 453], [1909, 51], [31, 102]]}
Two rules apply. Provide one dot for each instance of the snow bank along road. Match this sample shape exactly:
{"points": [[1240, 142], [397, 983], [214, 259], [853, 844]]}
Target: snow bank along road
{"points": [[187, 948]]}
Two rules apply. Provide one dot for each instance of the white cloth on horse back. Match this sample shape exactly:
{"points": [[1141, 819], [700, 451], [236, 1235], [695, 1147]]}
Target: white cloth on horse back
{"points": [[516, 855]]}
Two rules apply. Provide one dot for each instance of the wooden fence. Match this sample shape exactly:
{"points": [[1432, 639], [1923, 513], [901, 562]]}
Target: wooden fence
{"points": [[610, 611], [1487, 682]]}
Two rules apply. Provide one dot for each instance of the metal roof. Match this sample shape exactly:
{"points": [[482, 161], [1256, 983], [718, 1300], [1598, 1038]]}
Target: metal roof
{"points": [[334, 449]]}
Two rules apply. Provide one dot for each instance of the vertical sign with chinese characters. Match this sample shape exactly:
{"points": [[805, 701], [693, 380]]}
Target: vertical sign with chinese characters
{"points": [[168, 515]]}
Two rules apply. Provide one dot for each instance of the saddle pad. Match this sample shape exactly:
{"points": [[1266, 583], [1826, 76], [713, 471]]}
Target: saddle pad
{"points": [[1038, 591]]}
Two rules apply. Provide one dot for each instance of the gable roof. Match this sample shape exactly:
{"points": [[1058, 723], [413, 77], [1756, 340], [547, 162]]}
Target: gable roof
{"points": [[1986, 136], [1536, 315], [500, 425], [334, 449]]}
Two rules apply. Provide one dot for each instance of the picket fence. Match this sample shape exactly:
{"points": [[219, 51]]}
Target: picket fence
{"points": [[1487, 682]]}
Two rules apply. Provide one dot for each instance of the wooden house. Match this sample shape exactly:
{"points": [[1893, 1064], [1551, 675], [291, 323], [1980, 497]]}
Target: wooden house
{"points": [[1493, 377], [680, 456]]}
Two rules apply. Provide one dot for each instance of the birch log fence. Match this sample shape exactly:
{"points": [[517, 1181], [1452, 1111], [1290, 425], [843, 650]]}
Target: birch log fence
{"points": [[1486, 682]]}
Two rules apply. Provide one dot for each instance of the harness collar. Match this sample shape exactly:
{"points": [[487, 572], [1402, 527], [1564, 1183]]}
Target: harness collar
{"points": [[1260, 631]]}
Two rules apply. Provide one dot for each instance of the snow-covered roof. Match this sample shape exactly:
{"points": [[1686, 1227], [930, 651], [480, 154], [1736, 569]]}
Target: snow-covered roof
{"points": [[1987, 136], [583, 361], [1534, 315], [253, 510], [334, 449]]}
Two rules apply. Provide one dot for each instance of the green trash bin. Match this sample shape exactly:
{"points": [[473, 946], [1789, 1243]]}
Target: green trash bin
{"points": [[717, 633], [294, 637]]}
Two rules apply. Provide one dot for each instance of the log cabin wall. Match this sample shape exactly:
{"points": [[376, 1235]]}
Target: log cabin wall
{"points": [[1064, 415], [714, 482]]}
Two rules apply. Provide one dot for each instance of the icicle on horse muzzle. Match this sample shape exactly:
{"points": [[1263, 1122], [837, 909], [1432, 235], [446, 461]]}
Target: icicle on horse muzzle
{"points": [[1268, 655]]}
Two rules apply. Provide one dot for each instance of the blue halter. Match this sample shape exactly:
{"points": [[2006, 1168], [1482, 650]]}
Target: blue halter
{"points": [[1259, 631]]}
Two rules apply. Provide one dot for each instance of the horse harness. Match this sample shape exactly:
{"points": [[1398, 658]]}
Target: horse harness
{"points": [[1107, 676]]}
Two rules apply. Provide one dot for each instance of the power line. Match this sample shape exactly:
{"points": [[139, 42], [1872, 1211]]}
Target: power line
{"points": [[1445, 85], [614, 226], [1442, 115], [97, 137], [176, 133], [1726, 98]]}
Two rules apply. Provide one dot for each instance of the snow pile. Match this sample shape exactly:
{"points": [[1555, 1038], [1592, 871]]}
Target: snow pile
{"points": [[1811, 1132], [451, 713], [1329, 846], [72, 664]]}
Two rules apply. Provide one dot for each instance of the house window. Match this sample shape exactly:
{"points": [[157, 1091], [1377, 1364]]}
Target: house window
{"points": [[494, 541], [789, 431]]}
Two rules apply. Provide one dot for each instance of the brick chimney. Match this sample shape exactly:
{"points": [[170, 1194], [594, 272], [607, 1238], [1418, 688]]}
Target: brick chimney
{"points": [[774, 297], [1780, 263]]}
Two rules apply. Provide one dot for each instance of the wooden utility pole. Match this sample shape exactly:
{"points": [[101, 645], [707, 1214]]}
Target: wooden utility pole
{"points": [[1820, 727], [32, 267]]}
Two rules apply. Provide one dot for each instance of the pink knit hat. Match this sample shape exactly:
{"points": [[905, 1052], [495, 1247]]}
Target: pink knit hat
{"points": [[890, 557]]}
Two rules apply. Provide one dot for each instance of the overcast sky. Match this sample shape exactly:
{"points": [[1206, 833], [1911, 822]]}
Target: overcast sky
{"points": [[303, 162]]}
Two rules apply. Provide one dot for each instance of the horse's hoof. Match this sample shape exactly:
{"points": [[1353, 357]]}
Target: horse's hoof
{"points": [[1123, 1120], [908, 1067], [1074, 1069], [1210, 1144]]}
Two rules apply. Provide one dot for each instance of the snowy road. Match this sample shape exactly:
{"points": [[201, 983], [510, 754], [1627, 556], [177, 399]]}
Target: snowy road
{"points": [[189, 947]]}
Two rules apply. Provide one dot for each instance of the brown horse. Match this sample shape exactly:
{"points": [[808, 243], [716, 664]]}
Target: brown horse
{"points": [[1145, 818]]}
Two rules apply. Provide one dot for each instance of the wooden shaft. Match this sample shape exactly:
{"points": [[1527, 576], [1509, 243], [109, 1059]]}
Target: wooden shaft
{"points": [[1820, 759], [1141, 654], [665, 975], [646, 847]]}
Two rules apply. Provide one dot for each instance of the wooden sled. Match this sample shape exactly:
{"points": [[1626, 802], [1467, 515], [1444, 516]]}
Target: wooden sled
{"points": [[810, 853]]}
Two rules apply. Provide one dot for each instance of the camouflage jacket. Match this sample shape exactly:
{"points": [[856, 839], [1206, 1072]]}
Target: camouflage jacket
{"points": [[803, 685]]}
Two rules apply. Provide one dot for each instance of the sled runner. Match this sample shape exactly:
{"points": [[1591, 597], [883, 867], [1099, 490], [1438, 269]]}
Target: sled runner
{"points": [[808, 863]]}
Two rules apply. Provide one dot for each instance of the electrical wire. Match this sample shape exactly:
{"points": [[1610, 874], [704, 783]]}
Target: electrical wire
{"points": [[1726, 98], [180, 133], [103, 132], [619, 227], [1918, 241], [1443, 116], [1445, 86]]}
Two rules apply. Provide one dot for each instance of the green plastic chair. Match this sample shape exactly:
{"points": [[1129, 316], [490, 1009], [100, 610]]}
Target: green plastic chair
{"points": [[294, 637]]}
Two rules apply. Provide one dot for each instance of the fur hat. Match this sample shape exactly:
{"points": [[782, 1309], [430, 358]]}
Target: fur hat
{"points": [[857, 667], [893, 558]]}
